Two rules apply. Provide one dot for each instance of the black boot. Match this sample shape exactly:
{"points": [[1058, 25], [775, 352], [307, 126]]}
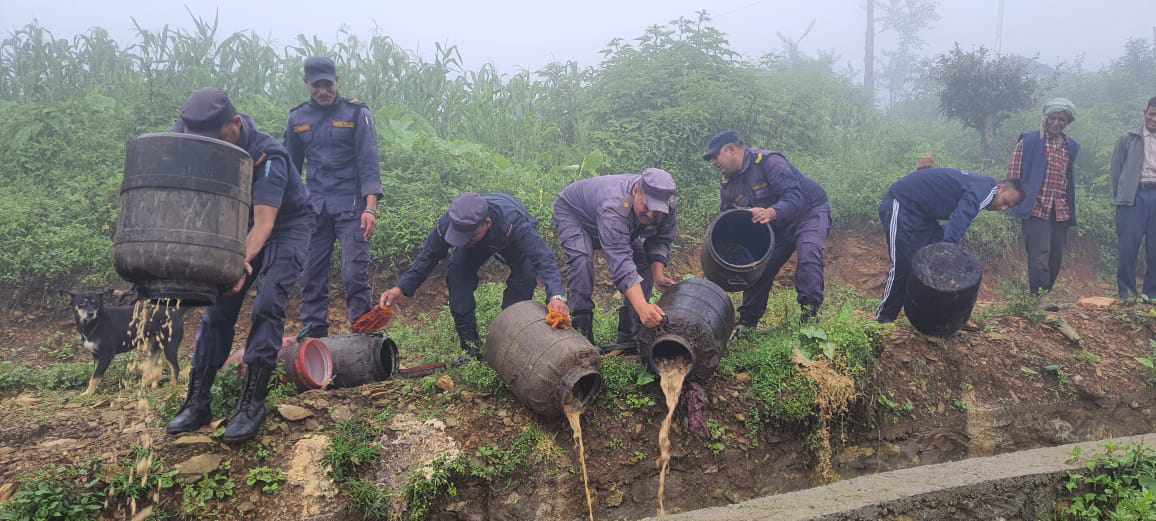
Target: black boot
{"points": [[472, 347], [251, 410], [196, 411], [583, 322], [810, 313], [315, 332]]}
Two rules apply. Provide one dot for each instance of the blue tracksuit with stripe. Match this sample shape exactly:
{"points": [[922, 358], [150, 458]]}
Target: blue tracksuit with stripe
{"points": [[911, 212]]}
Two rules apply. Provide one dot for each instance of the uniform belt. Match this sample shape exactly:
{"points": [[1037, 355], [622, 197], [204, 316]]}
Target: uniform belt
{"points": [[1148, 185]]}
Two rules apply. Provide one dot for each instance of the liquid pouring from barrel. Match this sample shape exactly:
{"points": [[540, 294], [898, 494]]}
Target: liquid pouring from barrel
{"points": [[699, 320]]}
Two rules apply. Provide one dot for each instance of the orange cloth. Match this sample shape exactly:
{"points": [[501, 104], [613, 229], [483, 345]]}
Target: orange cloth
{"points": [[374, 320]]}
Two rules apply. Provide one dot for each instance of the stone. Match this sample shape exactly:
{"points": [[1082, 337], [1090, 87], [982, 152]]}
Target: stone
{"points": [[199, 465], [293, 412], [307, 470], [1096, 302], [445, 383], [195, 439], [614, 498], [60, 443], [458, 507], [6, 491], [743, 378], [246, 507], [1060, 431], [341, 413]]}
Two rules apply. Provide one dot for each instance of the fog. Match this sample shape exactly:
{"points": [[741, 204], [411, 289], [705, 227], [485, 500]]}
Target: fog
{"points": [[515, 34]]}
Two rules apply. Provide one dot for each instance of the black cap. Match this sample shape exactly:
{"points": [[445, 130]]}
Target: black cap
{"points": [[319, 68], [207, 110], [467, 212], [720, 140]]}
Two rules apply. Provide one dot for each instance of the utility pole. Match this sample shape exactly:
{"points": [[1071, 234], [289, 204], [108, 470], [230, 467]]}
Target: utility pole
{"points": [[869, 53]]}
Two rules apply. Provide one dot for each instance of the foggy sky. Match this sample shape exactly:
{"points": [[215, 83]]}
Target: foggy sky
{"points": [[515, 34]]}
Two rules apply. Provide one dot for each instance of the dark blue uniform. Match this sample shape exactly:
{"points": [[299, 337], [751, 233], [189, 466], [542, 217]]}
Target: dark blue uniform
{"points": [[336, 145], [803, 221], [513, 237], [275, 270], [911, 212]]}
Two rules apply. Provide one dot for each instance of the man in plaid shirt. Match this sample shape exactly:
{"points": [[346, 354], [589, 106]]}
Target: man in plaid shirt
{"points": [[1043, 162]]}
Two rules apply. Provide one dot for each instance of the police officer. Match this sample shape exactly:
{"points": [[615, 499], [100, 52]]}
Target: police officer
{"points": [[477, 227], [274, 250], [796, 207], [632, 219], [911, 212], [333, 139]]}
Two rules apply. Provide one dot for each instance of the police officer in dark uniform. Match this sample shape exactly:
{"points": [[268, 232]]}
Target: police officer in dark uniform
{"points": [[332, 139], [632, 219], [477, 227], [274, 252], [778, 193]]}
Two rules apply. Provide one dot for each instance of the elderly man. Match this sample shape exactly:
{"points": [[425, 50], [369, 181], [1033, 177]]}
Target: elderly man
{"points": [[632, 219], [274, 250], [1134, 193], [1043, 162], [911, 212], [478, 227], [794, 205], [333, 141]]}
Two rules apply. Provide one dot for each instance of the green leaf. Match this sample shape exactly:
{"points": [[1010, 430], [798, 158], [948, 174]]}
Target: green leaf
{"points": [[644, 378], [1146, 362], [813, 332]]}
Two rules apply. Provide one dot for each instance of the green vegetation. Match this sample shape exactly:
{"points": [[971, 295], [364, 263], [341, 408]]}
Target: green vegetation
{"points": [[354, 446], [1118, 483], [56, 494], [268, 479], [16, 378], [227, 389], [198, 497]]}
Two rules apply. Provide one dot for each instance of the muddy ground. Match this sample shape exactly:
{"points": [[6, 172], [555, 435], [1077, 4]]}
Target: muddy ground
{"points": [[1005, 383]]}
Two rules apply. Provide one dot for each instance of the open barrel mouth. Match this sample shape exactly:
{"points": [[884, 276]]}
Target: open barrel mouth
{"points": [[738, 243], [587, 388], [388, 357], [671, 347]]}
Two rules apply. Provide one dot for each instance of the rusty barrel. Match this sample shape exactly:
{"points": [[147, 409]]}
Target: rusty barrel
{"points": [[942, 288], [184, 214], [308, 365], [736, 250], [361, 359], [541, 365], [699, 320]]}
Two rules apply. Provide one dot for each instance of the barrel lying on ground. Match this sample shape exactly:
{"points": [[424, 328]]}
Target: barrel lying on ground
{"points": [[308, 364], [361, 359], [942, 288], [736, 250], [541, 365], [699, 319], [184, 214]]}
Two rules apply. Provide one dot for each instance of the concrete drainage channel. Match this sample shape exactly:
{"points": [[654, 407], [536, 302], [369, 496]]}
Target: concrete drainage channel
{"points": [[1015, 486]]}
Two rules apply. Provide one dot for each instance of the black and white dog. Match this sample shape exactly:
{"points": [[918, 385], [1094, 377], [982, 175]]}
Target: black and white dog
{"points": [[107, 331]]}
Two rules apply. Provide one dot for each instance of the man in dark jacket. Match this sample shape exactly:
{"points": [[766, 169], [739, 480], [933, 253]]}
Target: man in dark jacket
{"points": [[1134, 193], [274, 251], [911, 212], [632, 219], [796, 207], [1043, 161], [333, 141], [477, 227]]}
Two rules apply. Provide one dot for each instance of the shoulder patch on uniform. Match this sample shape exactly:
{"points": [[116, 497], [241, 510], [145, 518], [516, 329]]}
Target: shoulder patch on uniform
{"points": [[626, 204], [302, 128], [355, 101], [759, 158], [342, 124], [758, 186]]}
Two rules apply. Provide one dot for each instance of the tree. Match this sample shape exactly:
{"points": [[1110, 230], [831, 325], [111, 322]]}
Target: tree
{"points": [[981, 90], [869, 53], [907, 18]]}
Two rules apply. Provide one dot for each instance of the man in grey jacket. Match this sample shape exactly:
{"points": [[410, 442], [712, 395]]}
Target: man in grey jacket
{"points": [[1134, 193]]}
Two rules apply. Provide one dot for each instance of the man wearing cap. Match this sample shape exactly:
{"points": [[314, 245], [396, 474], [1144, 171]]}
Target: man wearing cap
{"points": [[632, 219], [332, 139], [796, 207], [912, 209], [1134, 194], [1043, 162], [477, 227], [274, 252]]}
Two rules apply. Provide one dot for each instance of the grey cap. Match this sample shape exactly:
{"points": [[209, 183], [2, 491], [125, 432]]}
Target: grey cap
{"points": [[319, 68], [658, 185], [467, 212], [207, 110]]}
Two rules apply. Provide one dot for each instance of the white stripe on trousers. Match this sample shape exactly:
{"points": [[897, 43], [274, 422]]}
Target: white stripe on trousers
{"points": [[892, 232]]}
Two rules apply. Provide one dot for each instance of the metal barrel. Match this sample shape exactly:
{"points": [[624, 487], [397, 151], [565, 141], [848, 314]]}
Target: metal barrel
{"points": [[942, 288], [541, 365], [699, 320], [184, 214], [736, 250], [308, 364], [361, 359]]}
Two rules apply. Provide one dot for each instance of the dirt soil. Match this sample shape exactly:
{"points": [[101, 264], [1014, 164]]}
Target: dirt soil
{"points": [[1001, 385]]}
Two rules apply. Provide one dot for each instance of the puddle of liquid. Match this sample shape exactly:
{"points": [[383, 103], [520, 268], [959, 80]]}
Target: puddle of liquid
{"points": [[671, 373], [573, 410]]}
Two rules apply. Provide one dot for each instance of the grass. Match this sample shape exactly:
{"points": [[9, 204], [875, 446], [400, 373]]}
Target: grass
{"points": [[1118, 483], [56, 377]]}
